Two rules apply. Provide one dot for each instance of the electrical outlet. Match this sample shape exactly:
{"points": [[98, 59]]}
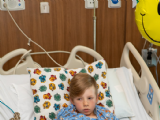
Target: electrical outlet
{"points": [[89, 4], [114, 3], [150, 57]]}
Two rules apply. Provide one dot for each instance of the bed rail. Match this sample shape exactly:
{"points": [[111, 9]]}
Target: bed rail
{"points": [[143, 83], [73, 62], [21, 69]]}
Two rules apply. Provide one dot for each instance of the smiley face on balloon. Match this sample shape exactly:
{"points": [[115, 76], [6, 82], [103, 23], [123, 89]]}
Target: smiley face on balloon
{"points": [[147, 15]]}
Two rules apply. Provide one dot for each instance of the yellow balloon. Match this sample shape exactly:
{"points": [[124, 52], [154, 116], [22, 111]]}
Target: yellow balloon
{"points": [[147, 15]]}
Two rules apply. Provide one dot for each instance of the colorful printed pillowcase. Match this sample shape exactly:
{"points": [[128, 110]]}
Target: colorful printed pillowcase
{"points": [[50, 91], [99, 72]]}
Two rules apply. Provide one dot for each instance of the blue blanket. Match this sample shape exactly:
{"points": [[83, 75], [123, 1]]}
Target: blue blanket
{"points": [[69, 113]]}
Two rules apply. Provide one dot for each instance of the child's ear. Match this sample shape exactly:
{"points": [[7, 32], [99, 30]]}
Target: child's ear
{"points": [[71, 101], [97, 98]]}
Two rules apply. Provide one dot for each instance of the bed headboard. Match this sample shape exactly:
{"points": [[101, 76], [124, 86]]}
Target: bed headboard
{"points": [[144, 82], [72, 62]]}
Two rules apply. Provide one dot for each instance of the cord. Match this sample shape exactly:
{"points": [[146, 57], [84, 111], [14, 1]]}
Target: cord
{"points": [[156, 74], [158, 61], [23, 56], [153, 52], [158, 58], [16, 114], [144, 44], [29, 39], [7, 106], [57, 52], [14, 72], [143, 48]]}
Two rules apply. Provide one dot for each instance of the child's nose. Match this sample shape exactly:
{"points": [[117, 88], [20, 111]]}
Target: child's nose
{"points": [[85, 102]]}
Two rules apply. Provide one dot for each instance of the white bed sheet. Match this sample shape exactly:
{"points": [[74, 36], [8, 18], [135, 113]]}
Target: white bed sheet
{"points": [[11, 97], [126, 79], [6, 96], [10, 94]]}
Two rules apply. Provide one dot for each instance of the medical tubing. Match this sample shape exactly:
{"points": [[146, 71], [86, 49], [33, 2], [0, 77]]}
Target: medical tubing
{"points": [[158, 61], [58, 52], [143, 48], [14, 72], [94, 27], [5, 5], [38, 44], [156, 74], [7, 106], [144, 44]]}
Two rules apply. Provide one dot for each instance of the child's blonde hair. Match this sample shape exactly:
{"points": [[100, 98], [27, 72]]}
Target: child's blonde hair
{"points": [[79, 83]]}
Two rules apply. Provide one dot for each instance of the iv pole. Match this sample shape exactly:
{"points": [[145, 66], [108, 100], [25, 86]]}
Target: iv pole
{"points": [[94, 27]]}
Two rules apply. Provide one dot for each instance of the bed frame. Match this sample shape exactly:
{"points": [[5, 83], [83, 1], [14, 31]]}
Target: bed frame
{"points": [[143, 83]]}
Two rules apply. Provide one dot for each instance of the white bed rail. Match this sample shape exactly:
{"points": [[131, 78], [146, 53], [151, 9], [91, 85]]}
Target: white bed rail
{"points": [[73, 62], [21, 69], [142, 83]]}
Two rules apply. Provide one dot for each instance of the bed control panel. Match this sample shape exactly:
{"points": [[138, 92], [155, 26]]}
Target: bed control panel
{"points": [[13, 5]]}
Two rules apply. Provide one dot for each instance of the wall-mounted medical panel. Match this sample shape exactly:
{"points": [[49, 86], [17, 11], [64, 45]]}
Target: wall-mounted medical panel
{"points": [[12, 5]]}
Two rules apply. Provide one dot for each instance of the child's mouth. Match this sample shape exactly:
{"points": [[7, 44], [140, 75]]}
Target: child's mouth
{"points": [[86, 110]]}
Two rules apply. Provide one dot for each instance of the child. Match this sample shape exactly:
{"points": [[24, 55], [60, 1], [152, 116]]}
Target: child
{"points": [[84, 96]]}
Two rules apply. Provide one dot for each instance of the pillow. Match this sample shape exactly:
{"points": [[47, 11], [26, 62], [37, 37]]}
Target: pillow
{"points": [[50, 91], [122, 107], [98, 71]]}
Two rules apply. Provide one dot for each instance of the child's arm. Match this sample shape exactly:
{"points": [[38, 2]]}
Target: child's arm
{"points": [[63, 113], [104, 113], [66, 113], [70, 114]]}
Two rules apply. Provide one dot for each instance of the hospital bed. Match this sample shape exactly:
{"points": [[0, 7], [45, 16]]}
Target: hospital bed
{"points": [[144, 84]]}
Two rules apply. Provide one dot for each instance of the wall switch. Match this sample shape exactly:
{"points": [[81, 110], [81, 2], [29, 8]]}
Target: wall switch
{"points": [[89, 4], [114, 3], [44, 7], [150, 57]]}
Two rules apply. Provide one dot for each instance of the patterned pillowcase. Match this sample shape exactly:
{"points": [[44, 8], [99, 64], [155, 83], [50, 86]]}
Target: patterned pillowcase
{"points": [[50, 91], [98, 71]]}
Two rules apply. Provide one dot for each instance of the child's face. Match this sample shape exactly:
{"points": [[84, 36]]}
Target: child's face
{"points": [[86, 102]]}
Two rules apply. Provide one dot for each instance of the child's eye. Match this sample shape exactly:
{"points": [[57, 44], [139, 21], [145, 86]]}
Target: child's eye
{"points": [[79, 99], [89, 98]]}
